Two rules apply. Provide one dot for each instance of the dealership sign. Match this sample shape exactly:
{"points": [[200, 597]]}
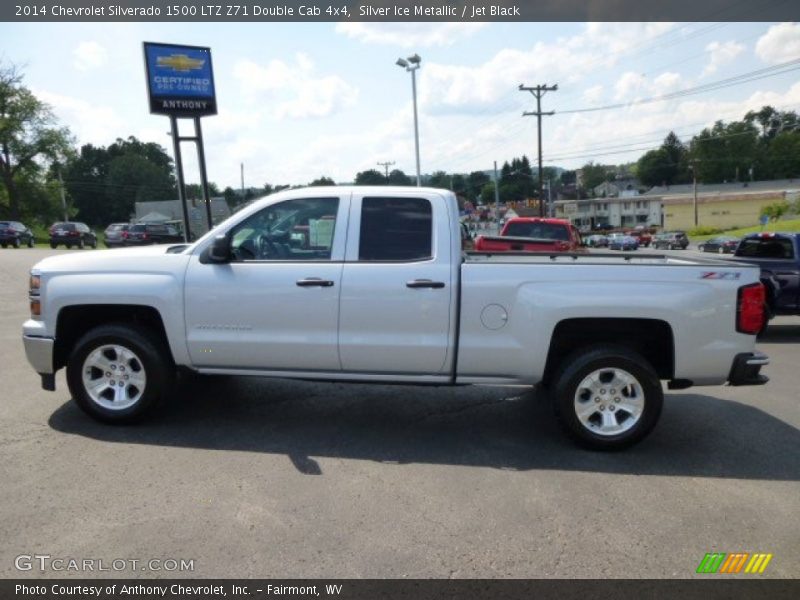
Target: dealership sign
{"points": [[180, 81]]}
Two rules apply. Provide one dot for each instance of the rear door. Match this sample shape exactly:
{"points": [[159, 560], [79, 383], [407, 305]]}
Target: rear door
{"points": [[395, 309]]}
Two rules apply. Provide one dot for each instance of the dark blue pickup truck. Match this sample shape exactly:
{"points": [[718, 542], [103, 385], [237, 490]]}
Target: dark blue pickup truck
{"points": [[778, 255]]}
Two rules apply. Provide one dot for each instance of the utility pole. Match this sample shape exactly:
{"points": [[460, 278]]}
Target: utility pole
{"points": [[63, 197], [386, 166], [693, 167], [539, 91], [241, 169]]}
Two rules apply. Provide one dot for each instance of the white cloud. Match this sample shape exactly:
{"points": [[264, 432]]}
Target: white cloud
{"points": [[665, 83], [90, 123], [721, 54], [780, 44], [593, 95], [452, 89], [411, 35], [629, 84], [294, 88], [89, 55]]}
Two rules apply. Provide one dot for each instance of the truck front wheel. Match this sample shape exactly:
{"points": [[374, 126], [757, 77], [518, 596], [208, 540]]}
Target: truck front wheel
{"points": [[117, 374], [607, 397]]}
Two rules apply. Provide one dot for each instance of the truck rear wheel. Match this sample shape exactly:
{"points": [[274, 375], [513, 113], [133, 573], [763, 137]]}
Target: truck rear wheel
{"points": [[118, 374], [607, 397]]}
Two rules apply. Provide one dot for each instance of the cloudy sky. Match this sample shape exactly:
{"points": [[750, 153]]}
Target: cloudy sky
{"points": [[302, 100]]}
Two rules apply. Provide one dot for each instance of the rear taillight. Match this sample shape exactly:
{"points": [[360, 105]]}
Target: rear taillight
{"points": [[74, 233], [750, 312], [144, 236], [124, 235]]}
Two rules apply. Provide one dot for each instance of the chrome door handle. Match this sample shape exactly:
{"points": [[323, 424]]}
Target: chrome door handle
{"points": [[314, 282], [425, 283]]}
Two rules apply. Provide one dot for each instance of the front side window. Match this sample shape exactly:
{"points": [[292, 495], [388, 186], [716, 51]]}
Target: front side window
{"points": [[396, 229], [300, 229]]}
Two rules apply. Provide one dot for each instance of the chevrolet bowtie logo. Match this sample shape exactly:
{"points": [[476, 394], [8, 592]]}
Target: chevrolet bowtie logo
{"points": [[180, 62]]}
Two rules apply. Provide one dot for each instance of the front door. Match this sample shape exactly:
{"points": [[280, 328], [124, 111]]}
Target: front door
{"points": [[275, 306]]}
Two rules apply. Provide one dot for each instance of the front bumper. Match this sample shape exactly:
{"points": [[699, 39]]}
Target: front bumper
{"points": [[39, 349], [746, 369]]}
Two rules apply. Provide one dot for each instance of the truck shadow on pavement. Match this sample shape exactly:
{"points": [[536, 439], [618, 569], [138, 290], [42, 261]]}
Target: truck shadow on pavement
{"points": [[500, 428]]}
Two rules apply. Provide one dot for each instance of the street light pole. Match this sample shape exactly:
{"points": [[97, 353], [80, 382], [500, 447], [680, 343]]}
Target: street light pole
{"points": [[411, 65]]}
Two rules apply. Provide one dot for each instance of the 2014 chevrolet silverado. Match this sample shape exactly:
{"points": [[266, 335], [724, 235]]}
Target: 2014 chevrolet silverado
{"points": [[371, 284]]}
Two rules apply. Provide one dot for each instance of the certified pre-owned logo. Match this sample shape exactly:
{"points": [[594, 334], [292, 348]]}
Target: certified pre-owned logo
{"points": [[180, 62], [735, 562]]}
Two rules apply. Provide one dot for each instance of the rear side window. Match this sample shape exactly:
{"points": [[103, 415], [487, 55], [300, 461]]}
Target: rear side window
{"points": [[396, 229], [766, 248]]}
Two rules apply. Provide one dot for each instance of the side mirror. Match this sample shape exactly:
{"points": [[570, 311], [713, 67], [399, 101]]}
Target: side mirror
{"points": [[219, 251]]}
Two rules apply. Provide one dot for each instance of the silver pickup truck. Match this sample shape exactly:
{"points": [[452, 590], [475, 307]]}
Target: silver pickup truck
{"points": [[371, 284]]}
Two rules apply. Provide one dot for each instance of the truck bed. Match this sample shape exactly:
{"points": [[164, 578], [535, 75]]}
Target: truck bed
{"points": [[613, 258]]}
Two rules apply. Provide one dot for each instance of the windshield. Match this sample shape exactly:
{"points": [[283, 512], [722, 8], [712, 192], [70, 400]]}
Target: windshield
{"points": [[541, 231], [772, 247]]}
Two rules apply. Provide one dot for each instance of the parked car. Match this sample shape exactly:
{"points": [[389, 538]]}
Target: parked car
{"points": [[116, 234], [14, 233], [141, 234], [721, 245], [778, 257], [620, 241], [644, 237], [671, 240], [604, 227], [72, 233], [388, 297], [596, 241], [533, 234]]}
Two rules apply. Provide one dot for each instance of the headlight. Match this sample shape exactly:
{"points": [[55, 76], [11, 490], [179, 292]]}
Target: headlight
{"points": [[34, 285]]}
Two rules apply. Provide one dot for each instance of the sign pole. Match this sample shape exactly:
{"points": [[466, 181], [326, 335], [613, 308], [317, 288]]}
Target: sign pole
{"points": [[176, 145], [201, 157]]}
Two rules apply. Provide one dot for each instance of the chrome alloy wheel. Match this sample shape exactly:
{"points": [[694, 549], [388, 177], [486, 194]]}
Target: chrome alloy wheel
{"points": [[609, 401], [114, 377]]}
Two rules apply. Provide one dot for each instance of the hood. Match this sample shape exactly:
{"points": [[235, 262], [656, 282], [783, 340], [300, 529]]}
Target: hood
{"points": [[145, 258]]}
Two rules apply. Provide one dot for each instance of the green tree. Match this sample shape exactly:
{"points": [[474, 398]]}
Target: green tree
{"points": [[398, 177], [440, 179], [370, 177], [656, 168], [775, 211], [105, 182], [28, 135], [320, 181], [725, 152], [594, 175], [782, 158]]}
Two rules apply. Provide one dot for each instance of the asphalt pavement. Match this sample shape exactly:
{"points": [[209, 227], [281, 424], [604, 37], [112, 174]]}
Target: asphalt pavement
{"points": [[251, 477]]}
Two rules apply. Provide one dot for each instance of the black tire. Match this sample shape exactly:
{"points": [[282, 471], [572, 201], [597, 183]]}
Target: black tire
{"points": [[4, 245], [81, 244], [16, 243], [53, 245], [94, 244], [31, 242], [150, 357], [610, 359], [701, 248]]}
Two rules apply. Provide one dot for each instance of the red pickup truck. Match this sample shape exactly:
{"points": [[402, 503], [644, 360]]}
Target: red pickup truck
{"points": [[533, 234]]}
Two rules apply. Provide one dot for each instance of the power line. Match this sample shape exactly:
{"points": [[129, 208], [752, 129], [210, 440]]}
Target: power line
{"points": [[779, 69]]}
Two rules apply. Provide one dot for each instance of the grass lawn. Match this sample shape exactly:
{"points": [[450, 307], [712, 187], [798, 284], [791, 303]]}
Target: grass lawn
{"points": [[788, 225]]}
